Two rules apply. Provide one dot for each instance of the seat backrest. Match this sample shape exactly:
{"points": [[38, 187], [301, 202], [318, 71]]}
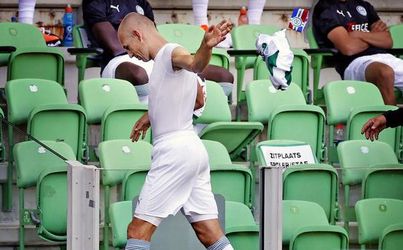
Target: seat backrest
{"points": [[118, 120], [396, 32], [25, 94], [320, 237], [343, 96], [313, 182], [299, 122], [187, 35], [216, 108], [19, 35], [52, 203], [31, 159], [60, 122], [117, 157], [244, 38], [298, 214], [386, 181], [374, 215], [392, 237], [217, 153], [96, 95], [262, 98], [356, 156], [359, 116]]}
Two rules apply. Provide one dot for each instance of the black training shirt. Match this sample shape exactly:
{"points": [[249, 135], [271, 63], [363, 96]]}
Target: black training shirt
{"points": [[113, 11], [353, 15]]}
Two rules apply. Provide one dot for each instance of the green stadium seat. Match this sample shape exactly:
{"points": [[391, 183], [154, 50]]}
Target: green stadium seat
{"points": [[37, 166], [356, 158], [352, 103], [244, 38], [315, 183], [235, 136], [31, 51], [190, 37], [391, 238], [117, 158], [374, 216], [385, 181]]}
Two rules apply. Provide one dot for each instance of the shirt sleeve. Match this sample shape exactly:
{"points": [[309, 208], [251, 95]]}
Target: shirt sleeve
{"points": [[372, 15], [394, 118], [327, 21], [94, 11]]}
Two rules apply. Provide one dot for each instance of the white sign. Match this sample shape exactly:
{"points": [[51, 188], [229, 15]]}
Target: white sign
{"points": [[285, 156]]}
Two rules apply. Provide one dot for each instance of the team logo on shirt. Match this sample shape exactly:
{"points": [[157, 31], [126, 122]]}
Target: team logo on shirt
{"points": [[139, 10], [361, 10]]}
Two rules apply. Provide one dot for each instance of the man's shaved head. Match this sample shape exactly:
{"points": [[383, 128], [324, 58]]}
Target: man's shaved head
{"points": [[135, 20]]}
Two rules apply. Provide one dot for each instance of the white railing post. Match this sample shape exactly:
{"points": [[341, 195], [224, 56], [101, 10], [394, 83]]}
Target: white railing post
{"points": [[271, 195], [83, 207]]}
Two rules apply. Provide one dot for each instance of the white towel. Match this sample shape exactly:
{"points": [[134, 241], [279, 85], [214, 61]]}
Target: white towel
{"points": [[275, 51]]}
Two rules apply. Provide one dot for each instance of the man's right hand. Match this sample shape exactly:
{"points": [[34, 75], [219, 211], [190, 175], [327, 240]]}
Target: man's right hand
{"points": [[140, 128], [379, 26], [373, 127]]}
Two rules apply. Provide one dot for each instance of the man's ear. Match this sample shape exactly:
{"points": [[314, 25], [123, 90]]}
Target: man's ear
{"points": [[136, 34]]}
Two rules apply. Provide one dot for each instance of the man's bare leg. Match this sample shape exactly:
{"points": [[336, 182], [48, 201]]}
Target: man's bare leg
{"points": [[383, 77], [210, 234], [139, 234]]}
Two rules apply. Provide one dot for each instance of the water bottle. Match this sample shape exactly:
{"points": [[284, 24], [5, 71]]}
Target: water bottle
{"points": [[338, 133], [243, 17], [68, 23]]}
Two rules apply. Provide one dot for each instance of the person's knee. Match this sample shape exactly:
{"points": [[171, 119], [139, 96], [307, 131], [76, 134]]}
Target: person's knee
{"points": [[217, 74], [381, 74], [131, 72]]}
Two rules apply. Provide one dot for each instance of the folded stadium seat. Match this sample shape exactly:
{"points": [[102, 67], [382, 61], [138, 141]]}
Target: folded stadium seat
{"points": [[240, 226], [31, 51], [235, 136], [118, 158], [42, 105], [313, 182], [286, 114], [244, 38], [386, 181], [374, 216], [391, 238], [190, 37], [396, 32], [299, 74], [102, 99], [84, 60], [37, 166], [305, 226], [233, 181], [353, 103], [356, 158]]}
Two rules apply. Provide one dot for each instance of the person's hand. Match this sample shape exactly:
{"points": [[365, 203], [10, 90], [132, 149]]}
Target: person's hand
{"points": [[140, 128], [379, 26], [216, 33], [373, 127]]}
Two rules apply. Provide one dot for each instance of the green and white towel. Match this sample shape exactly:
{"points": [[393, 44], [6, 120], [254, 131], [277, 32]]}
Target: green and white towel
{"points": [[278, 57]]}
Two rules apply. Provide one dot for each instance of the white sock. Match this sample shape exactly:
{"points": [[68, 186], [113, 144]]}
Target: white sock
{"points": [[200, 11], [255, 10], [26, 10], [221, 244]]}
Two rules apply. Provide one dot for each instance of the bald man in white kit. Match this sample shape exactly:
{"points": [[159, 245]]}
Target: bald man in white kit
{"points": [[179, 178]]}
